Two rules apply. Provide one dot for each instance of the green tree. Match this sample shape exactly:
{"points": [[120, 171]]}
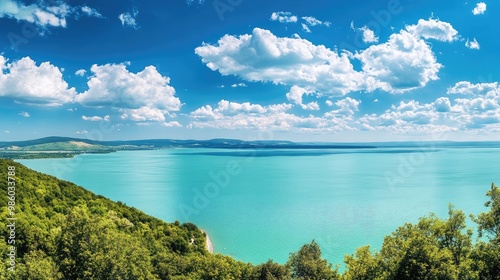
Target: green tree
{"points": [[308, 264], [489, 222], [412, 253], [486, 255], [271, 271], [92, 247], [38, 266], [361, 266], [451, 234]]}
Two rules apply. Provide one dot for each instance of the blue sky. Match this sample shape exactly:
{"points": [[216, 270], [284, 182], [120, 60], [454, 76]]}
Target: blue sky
{"points": [[329, 71]]}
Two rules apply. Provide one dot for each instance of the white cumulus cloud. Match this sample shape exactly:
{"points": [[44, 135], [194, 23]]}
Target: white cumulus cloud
{"points": [[295, 96], [368, 35], [283, 17], [143, 114], [233, 115], [403, 63], [261, 56], [479, 9], [433, 29], [113, 85], [26, 82], [466, 87]]}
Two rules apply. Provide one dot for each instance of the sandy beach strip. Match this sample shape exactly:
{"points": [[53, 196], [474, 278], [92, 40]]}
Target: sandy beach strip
{"points": [[209, 245]]}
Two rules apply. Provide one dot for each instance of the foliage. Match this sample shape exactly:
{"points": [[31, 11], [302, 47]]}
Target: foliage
{"points": [[307, 264]]}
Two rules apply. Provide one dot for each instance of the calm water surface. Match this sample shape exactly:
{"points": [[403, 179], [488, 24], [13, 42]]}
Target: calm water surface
{"points": [[266, 204]]}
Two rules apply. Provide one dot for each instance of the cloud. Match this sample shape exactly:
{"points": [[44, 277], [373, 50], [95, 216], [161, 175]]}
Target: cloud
{"points": [[142, 96], [477, 114], [238, 85], [25, 114], [80, 72], [7, 131], [329, 103], [81, 132], [113, 85], [368, 35], [407, 117], [43, 15], [403, 63], [480, 113], [442, 104], [287, 17], [91, 12], [261, 56], [348, 105], [233, 115], [312, 21], [283, 17], [96, 118], [306, 28], [479, 9], [143, 114], [466, 87], [295, 96], [171, 124], [26, 82], [129, 19], [474, 45], [433, 29]]}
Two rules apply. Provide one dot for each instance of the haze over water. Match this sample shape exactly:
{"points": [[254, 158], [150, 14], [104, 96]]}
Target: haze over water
{"points": [[282, 199]]}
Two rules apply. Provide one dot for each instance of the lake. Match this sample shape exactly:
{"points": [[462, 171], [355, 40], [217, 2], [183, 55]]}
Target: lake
{"points": [[258, 205]]}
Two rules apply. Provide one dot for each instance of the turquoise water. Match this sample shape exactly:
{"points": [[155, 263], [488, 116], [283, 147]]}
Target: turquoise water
{"points": [[266, 204]]}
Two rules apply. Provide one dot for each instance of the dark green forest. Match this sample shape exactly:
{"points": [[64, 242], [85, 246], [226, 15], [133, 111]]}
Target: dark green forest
{"points": [[63, 231]]}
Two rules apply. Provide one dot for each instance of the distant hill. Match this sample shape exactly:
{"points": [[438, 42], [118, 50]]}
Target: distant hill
{"points": [[63, 147], [75, 144], [80, 144], [46, 140]]}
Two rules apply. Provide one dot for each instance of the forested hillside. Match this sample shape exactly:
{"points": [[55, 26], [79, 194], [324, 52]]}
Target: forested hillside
{"points": [[62, 231]]}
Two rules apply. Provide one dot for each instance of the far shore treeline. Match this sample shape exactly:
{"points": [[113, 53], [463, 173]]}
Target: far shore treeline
{"points": [[63, 231]]}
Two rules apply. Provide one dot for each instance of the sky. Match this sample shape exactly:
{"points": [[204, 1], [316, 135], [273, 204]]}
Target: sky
{"points": [[334, 71]]}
